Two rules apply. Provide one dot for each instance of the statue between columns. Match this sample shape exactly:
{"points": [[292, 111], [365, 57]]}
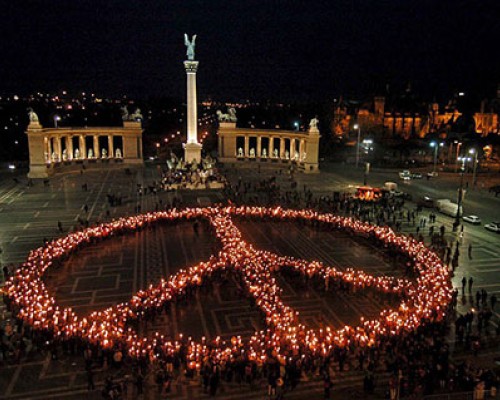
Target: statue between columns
{"points": [[190, 46]]}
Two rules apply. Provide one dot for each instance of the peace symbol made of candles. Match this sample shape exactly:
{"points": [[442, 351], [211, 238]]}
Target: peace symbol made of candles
{"points": [[424, 299]]}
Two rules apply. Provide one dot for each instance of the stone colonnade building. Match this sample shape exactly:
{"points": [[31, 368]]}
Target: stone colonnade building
{"points": [[51, 148], [277, 147]]}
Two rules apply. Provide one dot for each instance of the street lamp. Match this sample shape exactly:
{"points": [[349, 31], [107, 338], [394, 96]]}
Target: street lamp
{"points": [[459, 144], [436, 146], [367, 171], [57, 118], [460, 191], [356, 126], [474, 166]]}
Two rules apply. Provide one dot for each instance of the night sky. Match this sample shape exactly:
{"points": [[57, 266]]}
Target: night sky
{"points": [[282, 50]]}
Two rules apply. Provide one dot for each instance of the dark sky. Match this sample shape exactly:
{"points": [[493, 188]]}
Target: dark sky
{"points": [[251, 49]]}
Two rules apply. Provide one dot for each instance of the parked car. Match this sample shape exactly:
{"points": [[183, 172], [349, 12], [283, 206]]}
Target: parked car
{"points": [[416, 175], [493, 226], [390, 186], [432, 174], [399, 194], [426, 202], [495, 189], [449, 208], [473, 219], [405, 175]]}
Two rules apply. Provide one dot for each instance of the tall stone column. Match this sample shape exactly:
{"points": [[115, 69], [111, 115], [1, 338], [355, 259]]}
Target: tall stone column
{"points": [[69, 147], [292, 149], [282, 148], [247, 146], [49, 148], [96, 146], [82, 147], [301, 150], [58, 149], [220, 147], [192, 149], [270, 150], [259, 146], [111, 150]]}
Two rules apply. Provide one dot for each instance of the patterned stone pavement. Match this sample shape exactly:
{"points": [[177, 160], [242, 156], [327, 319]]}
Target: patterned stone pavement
{"points": [[112, 271]]}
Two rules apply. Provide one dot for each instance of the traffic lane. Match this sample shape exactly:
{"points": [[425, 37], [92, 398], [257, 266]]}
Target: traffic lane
{"points": [[476, 201]]}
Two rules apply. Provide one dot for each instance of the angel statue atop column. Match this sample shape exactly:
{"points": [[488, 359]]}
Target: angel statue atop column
{"points": [[190, 46]]}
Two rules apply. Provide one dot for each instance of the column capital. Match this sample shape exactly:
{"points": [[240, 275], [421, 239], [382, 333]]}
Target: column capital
{"points": [[191, 66]]}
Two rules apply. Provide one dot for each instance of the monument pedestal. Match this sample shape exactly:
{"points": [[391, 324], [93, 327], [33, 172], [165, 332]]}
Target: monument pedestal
{"points": [[37, 151], [192, 151], [39, 172], [312, 151]]}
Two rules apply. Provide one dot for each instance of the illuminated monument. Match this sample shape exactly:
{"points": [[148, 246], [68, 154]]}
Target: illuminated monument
{"points": [[53, 150], [192, 149]]}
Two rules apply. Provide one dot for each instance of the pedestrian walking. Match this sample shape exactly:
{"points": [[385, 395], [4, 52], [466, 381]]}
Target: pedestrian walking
{"points": [[280, 388], [327, 385], [139, 383], [469, 252], [484, 297], [464, 283], [271, 387], [59, 226], [90, 379], [6, 272], [471, 281]]}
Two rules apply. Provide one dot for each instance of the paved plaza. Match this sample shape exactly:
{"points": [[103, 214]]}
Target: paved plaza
{"points": [[111, 271]]}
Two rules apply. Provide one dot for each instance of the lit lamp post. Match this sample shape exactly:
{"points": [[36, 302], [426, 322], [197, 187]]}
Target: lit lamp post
{"points": [[459, 144], [460, 191], [474, 166], [57, 118], [367, 171], [436, 147], [356, 126], [367, 146]]}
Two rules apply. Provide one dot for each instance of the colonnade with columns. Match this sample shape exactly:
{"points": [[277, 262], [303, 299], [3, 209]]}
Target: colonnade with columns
{"points": [[271, 146], [51, 147], [59, 148]]}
